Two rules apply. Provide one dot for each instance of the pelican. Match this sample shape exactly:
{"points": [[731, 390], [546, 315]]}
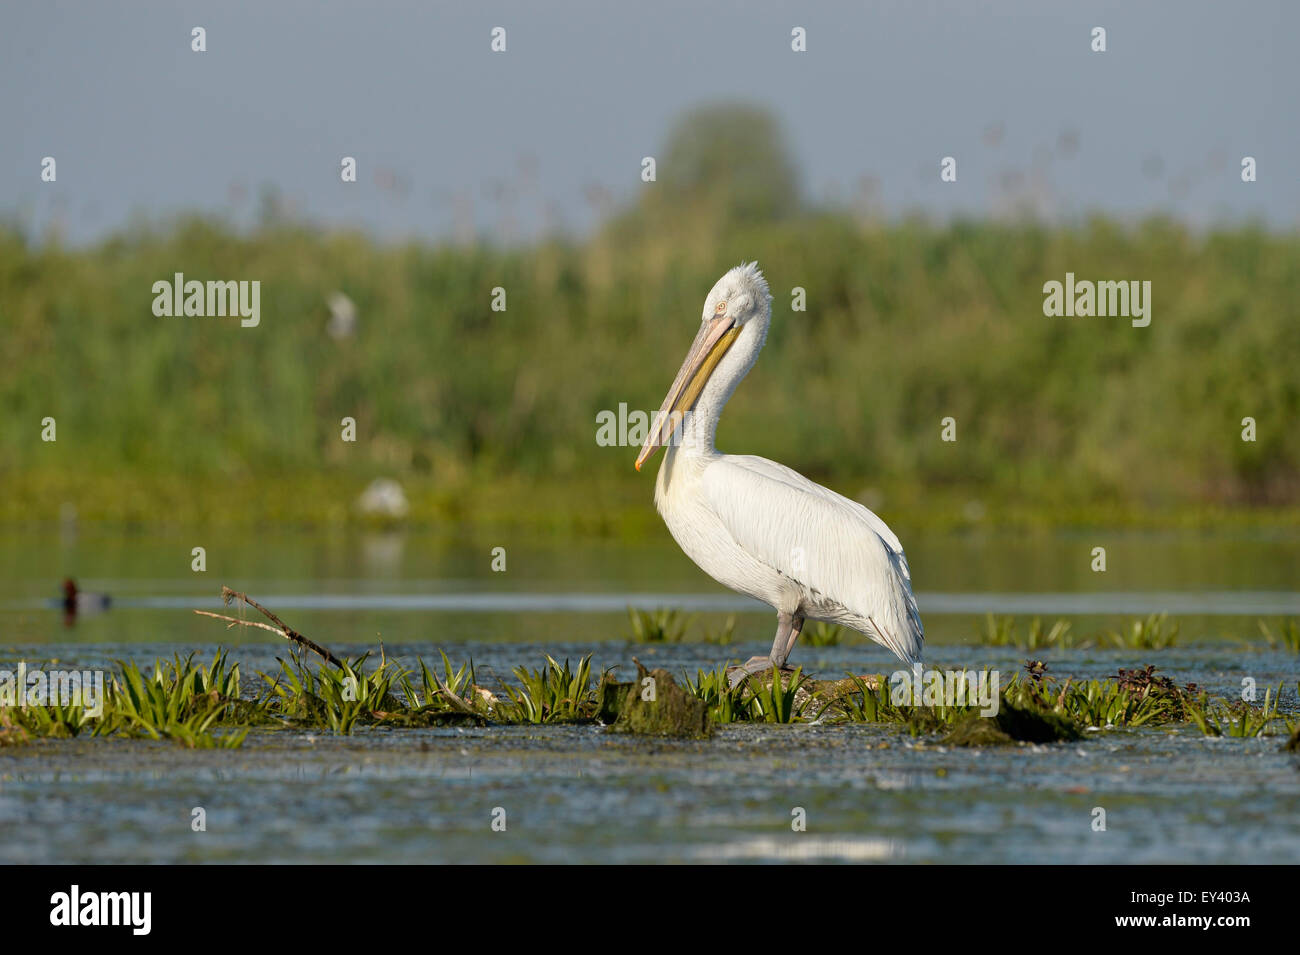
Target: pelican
{"points": [[756, 526]]}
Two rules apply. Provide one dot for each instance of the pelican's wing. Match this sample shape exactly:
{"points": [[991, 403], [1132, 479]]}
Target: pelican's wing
{"points": [[824, 541]]}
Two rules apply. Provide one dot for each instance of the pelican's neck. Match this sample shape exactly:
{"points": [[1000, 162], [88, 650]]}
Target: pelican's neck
{"points": [[700, 424]]}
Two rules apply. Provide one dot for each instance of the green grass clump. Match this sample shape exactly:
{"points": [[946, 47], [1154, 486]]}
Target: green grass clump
{"points": [[179, 701], [1133, 698], [22, 724], [1288, 639], [819, 634], [334, 698], [658, 626], [724, 635], [553, 694], [342, 698], [461, 682], [776, 700], [1237, 718], [1153, 632], [866, 704], [759, 699], [1003, 632], [723, 701]]}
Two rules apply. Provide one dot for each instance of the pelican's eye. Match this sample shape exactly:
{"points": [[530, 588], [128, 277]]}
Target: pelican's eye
{"points": [[722, 307]]}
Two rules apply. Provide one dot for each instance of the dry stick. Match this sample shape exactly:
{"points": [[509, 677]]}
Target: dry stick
{"points": [[289, 633], [243, 623], [280, 627], [293, 635]]}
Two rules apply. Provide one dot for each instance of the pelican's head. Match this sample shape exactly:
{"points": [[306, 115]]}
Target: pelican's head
{"points": [[741, 294], [739, 306]]}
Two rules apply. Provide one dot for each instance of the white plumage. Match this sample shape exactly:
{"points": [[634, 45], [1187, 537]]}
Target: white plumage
{"points": [[757, 526]]}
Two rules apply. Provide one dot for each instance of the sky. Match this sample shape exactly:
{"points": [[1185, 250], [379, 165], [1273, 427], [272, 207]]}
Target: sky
{"points": [[454, 140]]}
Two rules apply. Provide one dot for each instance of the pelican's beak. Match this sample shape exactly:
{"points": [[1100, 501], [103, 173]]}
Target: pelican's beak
{"points": [[715, 337]]}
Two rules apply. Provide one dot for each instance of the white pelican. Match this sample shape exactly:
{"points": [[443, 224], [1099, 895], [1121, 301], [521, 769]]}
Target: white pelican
{"points": [[757, 526]]}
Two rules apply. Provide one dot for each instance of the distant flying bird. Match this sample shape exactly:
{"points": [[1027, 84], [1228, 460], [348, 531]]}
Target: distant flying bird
{"points": [[757, 526]]}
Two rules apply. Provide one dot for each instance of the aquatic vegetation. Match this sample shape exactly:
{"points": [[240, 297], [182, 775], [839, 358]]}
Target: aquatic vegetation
{"points": [[180, 701], [857, 699], [1105, 705], [658, 626], [996, 631], [1002, 632], [757, 699], [777, 701], [863, 703], [1019, 716], [10, 733], [553, 694], [671, 626], [779, 698], [723, 701], [21, 725], [1058, 635], [724, 635], [205, 705], [201, 706], [1288, 639], [819, 634], [1153, 632], [194, 705], [1236, 718], [334, 698], [1034, 707], [453, 684], [1133, 698]]}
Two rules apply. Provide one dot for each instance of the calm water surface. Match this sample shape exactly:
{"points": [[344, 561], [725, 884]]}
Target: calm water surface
{"points": [[411, 587]]}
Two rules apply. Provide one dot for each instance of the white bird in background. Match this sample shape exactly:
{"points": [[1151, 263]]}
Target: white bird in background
{"points": [[343, 316], [757, 526]]}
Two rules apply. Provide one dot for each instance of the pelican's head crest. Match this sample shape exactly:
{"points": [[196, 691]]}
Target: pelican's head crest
{"points": [[741, 294]]}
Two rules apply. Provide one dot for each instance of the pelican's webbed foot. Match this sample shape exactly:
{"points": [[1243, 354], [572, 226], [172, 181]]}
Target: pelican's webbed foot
{"points": [[788, 626], [735, 675], [752, 667]]}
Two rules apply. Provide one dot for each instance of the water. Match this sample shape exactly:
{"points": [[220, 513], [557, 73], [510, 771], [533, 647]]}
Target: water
{"points": [[414, 586], [574, 794]]}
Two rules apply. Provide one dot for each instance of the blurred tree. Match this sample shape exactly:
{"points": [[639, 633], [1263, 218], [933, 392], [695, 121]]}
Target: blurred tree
{"points": [[728, 161]]}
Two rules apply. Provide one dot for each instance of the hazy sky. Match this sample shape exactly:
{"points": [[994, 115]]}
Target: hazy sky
{"points": [[452, 137]]}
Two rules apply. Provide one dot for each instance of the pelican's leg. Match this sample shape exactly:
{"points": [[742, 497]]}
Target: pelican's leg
{"points": [[796, 627], [787, 632]]}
